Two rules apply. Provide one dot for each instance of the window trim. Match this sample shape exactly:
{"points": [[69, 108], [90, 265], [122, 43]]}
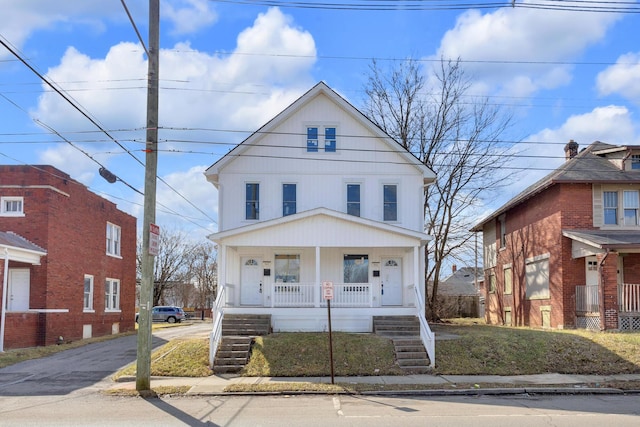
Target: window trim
{"points": [[506, 267], [321, 137], [633, 209], [116, 250], [359, 202], [612, 208], [289, 203], [7, 199], [256, 201], [109, 294], [88, 308], [396, 203]]}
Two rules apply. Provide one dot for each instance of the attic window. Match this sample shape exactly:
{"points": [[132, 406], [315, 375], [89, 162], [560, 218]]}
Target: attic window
{"points": [[635, 161], [313, 139]]}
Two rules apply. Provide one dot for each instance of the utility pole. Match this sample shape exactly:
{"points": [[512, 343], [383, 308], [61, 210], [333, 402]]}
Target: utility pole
{"points": [[143, 367]]}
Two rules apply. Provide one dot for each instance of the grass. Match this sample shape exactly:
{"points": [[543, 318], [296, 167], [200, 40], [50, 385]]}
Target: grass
{"points": [[307, 354], [177, 358], [496, 350]]}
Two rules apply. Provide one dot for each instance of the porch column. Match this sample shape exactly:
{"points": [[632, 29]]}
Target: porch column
{"points": [[416, 272], [316, 289], [222, 271]]}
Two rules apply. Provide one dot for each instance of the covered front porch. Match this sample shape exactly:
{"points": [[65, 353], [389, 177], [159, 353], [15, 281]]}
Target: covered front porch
{"points": [[610, 296], [278, 267]]}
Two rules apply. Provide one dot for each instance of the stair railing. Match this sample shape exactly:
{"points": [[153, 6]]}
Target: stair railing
{"points": [[427, 336], [216, 333]]}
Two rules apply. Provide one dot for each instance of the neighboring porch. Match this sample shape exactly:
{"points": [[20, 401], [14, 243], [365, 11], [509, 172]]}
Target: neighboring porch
{"points": [[588, 309], [610, 296]]}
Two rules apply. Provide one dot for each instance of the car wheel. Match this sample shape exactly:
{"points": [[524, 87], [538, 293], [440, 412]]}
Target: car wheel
{"points": [[171, 320]]}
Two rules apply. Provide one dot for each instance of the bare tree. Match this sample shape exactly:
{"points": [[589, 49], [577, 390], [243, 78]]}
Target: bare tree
{"points": [[458, 136], [171, 265], [203, 271]]}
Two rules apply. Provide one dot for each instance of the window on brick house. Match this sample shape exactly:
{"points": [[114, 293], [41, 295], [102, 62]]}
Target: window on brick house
{"points": [[113, 239], [610, 200], [88, 293], [12, 206], [631, 206], [508, 280], [502, 225], [537, 277], [112, 295], [492, 282]]}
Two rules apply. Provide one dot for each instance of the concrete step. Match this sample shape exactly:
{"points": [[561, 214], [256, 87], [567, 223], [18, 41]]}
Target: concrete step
{"points": [[246, 324]]}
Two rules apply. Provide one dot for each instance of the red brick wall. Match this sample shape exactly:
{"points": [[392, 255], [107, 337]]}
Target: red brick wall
{"points": [[69, 222], [534, 228]]}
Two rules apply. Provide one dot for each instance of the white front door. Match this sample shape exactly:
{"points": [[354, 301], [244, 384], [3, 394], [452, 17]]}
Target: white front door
{"points": [[18, 289], [251, 281], [391, 281], [591, 273]]}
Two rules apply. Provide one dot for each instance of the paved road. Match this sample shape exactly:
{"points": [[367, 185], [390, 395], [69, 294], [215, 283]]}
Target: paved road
{"points": [[84, 368], [320, 411]]}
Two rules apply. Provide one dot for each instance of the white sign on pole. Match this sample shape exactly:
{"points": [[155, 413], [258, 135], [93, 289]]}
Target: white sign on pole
{"points": [[327, 290], [154, 239]]}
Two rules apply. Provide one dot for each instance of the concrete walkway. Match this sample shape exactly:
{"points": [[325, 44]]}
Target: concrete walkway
{"points": [[451, 384]]}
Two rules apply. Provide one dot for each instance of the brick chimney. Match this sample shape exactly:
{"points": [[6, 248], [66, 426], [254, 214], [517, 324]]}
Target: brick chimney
{"points": [[570, 150]]}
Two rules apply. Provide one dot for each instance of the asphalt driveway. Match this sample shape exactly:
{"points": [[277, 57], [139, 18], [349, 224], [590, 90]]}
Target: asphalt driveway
{"points": [[84, 368]]}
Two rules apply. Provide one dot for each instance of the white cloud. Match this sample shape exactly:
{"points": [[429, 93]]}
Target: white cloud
{"points": [[498, 40], [623, 78], [545, 149], [69, 159], [188, 16], [192, 186]]}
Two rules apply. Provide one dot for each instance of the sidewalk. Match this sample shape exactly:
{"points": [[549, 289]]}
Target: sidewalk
{"points": [[451, 384]]}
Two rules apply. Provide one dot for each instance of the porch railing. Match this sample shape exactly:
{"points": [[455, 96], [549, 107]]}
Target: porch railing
{"points": [[292, 294], [351, 295], [427, 336], [218, 314], [587, 299], [305, 294], [628, 298]]}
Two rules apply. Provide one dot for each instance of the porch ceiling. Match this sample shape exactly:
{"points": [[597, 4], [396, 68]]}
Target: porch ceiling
{"points": [[17, 248], [619, 240], [321, 227]]}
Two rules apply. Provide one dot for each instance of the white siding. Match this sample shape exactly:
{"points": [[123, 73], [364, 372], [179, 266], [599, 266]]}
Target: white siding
{"points": [[321, 178]]}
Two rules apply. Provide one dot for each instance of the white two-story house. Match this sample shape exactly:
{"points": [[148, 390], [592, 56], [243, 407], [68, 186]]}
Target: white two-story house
{"points": [[321, 194]]}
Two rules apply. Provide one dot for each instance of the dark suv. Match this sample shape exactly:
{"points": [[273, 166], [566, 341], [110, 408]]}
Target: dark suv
{"points": [[166, 314]]}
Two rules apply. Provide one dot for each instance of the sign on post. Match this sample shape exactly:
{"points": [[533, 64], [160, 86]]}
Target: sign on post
{"points": [[327, 290], [154, 239]]}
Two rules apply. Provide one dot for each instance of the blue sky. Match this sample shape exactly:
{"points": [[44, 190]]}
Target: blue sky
{"points": [[228, 67]]}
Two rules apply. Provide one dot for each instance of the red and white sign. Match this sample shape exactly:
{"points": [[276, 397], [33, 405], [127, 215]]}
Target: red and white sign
{"points": [[154, 239], [327, 290]]}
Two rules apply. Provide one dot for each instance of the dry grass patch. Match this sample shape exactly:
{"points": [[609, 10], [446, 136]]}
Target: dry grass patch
{"points": [[302, 354], [177, 358], [498, 350]]}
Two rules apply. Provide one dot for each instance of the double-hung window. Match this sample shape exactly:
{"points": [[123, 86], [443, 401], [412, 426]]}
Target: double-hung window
{"points": [[631, 206], [635, 161], [88, 293], [288, 199], [312, 139], [112, 295], [12, 206], [610, 201], [330, 140], [252, 201], [353, 199], [113, 239], [390, 202]]}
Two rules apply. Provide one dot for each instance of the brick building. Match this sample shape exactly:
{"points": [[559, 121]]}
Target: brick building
{"points": [[565, 252], [69, 259]]}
